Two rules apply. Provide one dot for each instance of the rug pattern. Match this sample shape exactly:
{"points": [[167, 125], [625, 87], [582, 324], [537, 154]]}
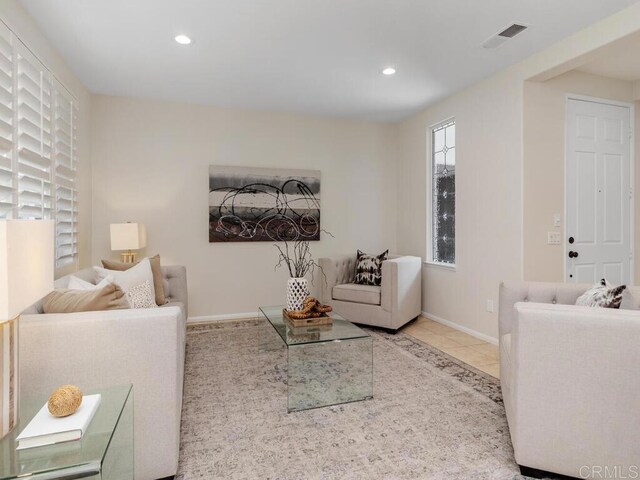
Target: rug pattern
{"points": [[432, 417]]}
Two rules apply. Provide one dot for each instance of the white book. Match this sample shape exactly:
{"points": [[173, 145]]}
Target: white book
{"points": [[45, 429]]}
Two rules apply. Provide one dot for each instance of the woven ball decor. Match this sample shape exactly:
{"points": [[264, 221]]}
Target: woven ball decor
{"points": [[64, 401]]}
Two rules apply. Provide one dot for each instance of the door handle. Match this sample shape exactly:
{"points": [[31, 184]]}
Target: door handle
{"points": [[573, 254]]}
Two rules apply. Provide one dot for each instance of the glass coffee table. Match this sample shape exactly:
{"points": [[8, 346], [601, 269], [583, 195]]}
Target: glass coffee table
{"points": [[326, 364]]}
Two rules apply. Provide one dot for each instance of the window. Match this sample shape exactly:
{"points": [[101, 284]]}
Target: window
{"points": [[38, 154], [443, 193]]}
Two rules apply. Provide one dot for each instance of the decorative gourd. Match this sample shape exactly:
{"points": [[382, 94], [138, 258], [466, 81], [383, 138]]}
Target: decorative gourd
{"points": [[64, 401]]}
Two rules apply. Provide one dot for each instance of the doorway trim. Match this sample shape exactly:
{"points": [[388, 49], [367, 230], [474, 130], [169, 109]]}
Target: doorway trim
{"points": [[632, 163]]}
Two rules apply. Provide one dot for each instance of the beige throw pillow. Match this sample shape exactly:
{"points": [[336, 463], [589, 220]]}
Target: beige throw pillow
{"points": [[110, 297], [155, 269]]}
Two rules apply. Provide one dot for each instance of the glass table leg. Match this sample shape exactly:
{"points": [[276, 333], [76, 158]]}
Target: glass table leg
{"points": [[329, 373], [270, 342]]}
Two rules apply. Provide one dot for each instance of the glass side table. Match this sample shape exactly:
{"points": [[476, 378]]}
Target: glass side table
{"points": [[105, 452]]}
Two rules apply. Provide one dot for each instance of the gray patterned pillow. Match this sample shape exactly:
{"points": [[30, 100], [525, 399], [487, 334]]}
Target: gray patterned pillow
{"points": [[369, 268], [603, 295], [142, 296]]}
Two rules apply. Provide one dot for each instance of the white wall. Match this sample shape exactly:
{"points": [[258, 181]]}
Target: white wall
{"points": [[544, 162], [488, 206], [151, 163], [489, 169], [25, 28], [152, 157]]}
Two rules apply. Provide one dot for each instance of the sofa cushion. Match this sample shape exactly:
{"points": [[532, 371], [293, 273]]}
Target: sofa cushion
{"points": [[110, 297], [142, 296], [351, 292], [130, 278], [88, 275], [156, 270], [77, 283]]}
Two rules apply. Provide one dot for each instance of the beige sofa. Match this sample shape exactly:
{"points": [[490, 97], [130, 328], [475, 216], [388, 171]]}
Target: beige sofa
{"points": [[570, 380], [144, 347], [397, 301]]}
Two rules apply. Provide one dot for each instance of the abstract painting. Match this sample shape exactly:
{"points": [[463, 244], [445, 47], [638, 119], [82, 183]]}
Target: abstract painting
{"points": [[263, 204]]}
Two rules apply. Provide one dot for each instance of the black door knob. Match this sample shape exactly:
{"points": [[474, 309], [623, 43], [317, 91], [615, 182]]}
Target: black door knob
{"points": [[573, 254]]}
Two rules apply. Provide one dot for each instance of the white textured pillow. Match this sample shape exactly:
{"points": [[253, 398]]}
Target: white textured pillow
{"points": [[76, 283], [142, 296], [128, 279]]}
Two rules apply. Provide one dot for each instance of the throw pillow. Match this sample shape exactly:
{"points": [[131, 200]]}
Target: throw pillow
{"points": [[602, 295], [76, 283], [110, 297], [142, 296], [369, 268], [130, 278], [155, 269]]}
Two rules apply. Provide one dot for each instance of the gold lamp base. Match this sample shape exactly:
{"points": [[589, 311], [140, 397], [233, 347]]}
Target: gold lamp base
{"points": [[128, 257], [9, 375]]}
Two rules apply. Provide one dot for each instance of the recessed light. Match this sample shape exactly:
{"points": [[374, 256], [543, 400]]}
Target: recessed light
{"points": [[389, 71], [183, 39]]}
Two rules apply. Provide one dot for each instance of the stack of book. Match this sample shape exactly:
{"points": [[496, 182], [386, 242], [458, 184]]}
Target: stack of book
{"points": [[45, 429]]}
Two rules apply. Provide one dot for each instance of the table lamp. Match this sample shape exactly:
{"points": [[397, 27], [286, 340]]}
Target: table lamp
{"points": [[26, 275], [128, 236]]}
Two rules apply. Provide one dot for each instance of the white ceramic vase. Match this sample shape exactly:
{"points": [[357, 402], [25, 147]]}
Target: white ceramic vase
{"points": [[297, 291]]}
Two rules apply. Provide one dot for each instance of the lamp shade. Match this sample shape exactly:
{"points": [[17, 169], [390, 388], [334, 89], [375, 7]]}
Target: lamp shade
{"points": [[26, 264], [128, 236]]}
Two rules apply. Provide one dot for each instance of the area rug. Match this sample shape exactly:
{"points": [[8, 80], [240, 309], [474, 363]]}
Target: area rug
{"points": [[432, 417]]}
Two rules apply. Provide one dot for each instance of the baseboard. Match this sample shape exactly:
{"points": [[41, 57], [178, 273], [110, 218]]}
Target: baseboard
{"points": [[228, 317], [473, 333]]}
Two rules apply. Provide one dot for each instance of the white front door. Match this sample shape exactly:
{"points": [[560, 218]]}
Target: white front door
{"points": [[598, 192]]}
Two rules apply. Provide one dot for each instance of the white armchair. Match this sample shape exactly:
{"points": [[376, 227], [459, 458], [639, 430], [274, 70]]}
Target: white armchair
{"points": [[569, 381], [397, 301]]}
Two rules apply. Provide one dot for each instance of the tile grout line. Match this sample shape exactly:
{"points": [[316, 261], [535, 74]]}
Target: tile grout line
{"points": [[437, 337]]}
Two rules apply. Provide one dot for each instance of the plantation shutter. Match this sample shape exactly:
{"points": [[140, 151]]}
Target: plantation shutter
{"points": [[34, 137], [38, 146], [65, 175], [7, 89]]}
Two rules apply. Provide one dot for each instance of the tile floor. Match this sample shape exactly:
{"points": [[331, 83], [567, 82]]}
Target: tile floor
{"points": [[464, 347]]}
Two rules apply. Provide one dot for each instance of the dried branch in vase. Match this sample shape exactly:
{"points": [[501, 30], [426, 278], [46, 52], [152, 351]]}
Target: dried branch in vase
{"points": [[298, 258]]}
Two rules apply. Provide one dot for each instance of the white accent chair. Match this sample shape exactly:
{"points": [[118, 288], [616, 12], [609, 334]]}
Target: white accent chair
{"points": [[570, 380], [397, 301]]}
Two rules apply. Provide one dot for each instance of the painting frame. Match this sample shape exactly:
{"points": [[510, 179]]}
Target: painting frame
{"points": [[258, 204]]}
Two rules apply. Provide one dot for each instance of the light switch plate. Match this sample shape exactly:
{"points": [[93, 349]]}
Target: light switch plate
{"points": [[553, 238], [556, 219]]}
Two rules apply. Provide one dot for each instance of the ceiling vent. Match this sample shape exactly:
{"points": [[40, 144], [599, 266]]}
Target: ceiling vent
{"points": [[506, 34]]}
